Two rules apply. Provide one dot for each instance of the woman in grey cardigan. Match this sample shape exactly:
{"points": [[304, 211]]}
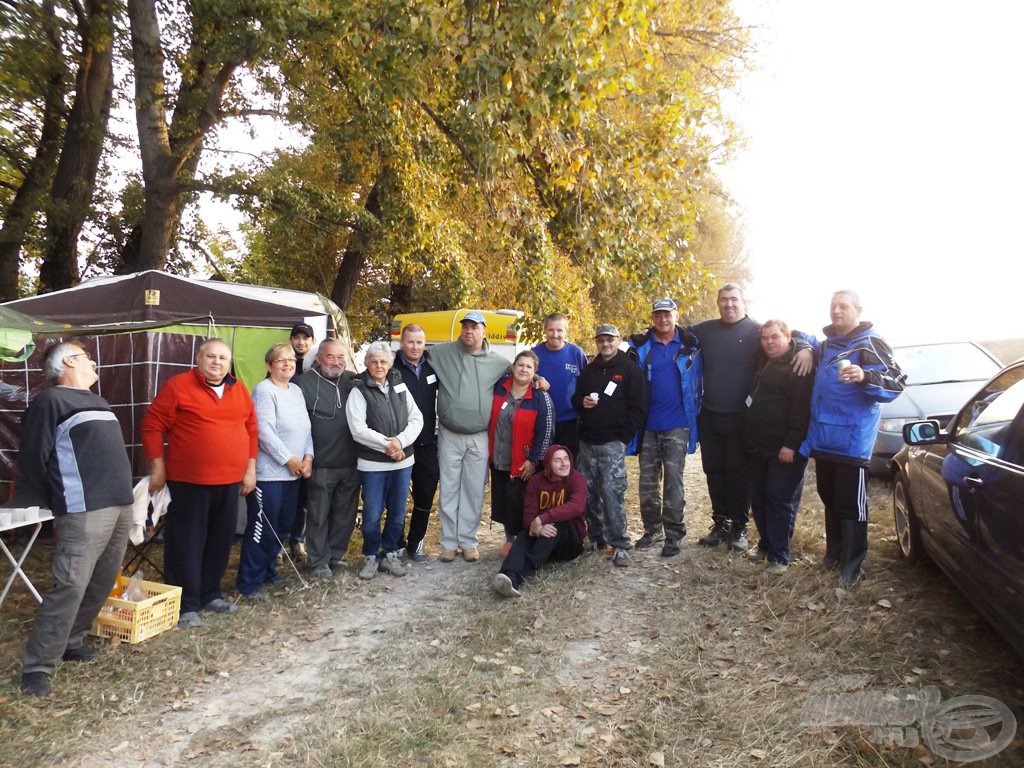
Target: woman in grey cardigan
{"points": [[285, 455]]}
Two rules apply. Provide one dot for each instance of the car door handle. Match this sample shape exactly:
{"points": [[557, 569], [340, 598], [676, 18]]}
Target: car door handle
{"points": [[973, 483]]}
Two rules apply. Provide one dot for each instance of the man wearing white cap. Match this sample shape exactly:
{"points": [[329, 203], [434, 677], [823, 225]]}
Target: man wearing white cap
{"points": [[466, 370]]}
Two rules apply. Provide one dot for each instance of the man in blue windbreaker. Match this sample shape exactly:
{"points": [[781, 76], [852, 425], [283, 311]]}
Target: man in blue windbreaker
{"points": [[856, 373]]}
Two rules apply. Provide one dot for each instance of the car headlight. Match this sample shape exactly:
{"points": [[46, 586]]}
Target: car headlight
{"points": [[893, 425]]}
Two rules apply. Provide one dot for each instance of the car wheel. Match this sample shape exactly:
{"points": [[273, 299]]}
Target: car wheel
{"points": [[908, 530]]}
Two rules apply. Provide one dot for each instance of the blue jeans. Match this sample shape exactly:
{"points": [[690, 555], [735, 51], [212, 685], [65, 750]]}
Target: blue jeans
{"points": [[388, 489], [257, 563]]}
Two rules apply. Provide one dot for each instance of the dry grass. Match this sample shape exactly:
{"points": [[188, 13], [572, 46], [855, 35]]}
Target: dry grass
{"points": [[695, 661]]}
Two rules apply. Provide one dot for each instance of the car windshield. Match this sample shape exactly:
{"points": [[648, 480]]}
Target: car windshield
{"points": [[935, 363]]}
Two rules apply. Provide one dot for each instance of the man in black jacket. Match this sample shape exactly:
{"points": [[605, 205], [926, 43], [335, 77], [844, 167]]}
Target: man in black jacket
{"points": [[413, 362], [72, 460], [611, 398]]}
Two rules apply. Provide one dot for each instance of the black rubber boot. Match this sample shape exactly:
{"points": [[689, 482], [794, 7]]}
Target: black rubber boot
{"points": [[833, 540], [854, 550]]}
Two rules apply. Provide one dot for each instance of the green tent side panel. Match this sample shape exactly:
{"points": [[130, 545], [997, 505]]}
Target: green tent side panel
{"points": [[248, 346]]}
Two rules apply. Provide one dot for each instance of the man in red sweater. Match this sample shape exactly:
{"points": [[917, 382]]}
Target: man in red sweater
{"points": [[209, 423], [554, 514]]}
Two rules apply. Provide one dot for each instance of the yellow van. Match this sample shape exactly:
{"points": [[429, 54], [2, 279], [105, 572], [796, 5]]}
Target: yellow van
{"points": [[504, 329]]}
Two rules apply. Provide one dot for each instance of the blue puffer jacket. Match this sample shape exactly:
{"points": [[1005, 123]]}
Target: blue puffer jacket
{"points": [[844, 417], [691, 373]]}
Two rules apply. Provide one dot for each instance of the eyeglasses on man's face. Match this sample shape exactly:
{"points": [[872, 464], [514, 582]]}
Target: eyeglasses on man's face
{"points": [[86, 355]]}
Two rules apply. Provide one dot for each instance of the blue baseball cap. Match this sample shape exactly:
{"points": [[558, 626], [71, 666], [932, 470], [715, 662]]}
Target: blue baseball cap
{"points": [[474, 316]]}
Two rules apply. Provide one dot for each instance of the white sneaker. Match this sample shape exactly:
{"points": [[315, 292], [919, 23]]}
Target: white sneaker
{"points": [[502, 584], [391, 564], [369, 569]]}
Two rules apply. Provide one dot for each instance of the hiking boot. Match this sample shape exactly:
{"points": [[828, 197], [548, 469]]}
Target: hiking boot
{"points": [[189, 620], [738, 541], [776, 568], [649, 539], [81, 653], [299, 552], [258, 596], [471, 555], [322, 572], [447, 555], [757, 555], [621, 558], [219, 605], [503, 585], [720, 533], [369, 569], [391, 564], [35, 684], [671, 549]]}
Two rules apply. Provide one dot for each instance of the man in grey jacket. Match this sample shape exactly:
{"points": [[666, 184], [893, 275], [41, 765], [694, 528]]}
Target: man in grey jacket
{"points": [[467, 370], [333, 488]]}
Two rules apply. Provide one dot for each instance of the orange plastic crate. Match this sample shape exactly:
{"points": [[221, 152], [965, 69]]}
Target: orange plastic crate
{"points": [[127, 622]]}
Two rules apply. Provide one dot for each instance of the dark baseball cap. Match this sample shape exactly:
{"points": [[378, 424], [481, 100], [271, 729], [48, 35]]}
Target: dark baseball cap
{"points": [[664, 305], [305, 328]]}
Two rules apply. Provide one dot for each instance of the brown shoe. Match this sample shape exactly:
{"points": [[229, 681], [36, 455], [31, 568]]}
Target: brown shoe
{"points": [[471, 555], [447, 555]]}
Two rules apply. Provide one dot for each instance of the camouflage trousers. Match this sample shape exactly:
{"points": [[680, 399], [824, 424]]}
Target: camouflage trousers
{"points": [[604, 466], [662, 499]]}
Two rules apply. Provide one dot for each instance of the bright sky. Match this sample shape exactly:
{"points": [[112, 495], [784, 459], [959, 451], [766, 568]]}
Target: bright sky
{"points": [[885, 153]]}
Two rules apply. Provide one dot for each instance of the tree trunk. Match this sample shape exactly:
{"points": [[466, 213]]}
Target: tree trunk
{"points": [[147, 245], [17, 219], [75, 181], [170, 154], [356, 251]]}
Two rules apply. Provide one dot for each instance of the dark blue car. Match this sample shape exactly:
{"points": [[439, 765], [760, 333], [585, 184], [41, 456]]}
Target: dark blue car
{"points": [[958, 499]]}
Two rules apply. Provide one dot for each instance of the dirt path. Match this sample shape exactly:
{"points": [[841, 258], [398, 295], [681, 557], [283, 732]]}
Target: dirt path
{"points": [[697, 660]]}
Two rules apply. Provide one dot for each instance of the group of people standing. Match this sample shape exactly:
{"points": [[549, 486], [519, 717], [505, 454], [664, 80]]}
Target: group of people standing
{"points": [[552, 429], [759, 399]]}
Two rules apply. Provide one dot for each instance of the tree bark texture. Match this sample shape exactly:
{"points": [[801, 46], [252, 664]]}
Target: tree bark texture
{"points": [[356, 251], [170, 154], [17, 219], [75, 181]]}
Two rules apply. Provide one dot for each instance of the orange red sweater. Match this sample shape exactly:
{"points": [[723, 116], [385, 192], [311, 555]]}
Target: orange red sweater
{"points": [[209, 439]]}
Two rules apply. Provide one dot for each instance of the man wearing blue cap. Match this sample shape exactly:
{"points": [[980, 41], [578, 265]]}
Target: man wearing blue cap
{"points": [[670, 359], [467, 370]]}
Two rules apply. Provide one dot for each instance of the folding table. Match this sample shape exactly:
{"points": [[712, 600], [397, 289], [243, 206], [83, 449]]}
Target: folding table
{"points": [[21, 521]]}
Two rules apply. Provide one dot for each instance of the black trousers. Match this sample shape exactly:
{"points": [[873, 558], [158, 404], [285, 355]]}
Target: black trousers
{"points": [[198, 535], [723, 457], [529, 553], [507, 496], [425, 476]]}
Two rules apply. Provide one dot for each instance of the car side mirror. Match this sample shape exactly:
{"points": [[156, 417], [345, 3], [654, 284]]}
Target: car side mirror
{"points": [[923, 433]]}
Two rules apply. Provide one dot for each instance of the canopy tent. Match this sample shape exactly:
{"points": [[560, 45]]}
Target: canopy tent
{"points": [[16, 329], [143, 328]]}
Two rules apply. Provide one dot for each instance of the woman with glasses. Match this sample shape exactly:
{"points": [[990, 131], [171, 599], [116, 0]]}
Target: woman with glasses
{"points": [[285, 455], [385, 422]]}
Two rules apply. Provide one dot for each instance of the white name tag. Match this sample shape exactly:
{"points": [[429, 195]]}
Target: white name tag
{"points": [[504, 405], [431, 379], [401, 387], [610, 388]]}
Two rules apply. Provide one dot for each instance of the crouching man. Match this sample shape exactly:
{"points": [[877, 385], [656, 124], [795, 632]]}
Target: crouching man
{"points": [[73, 461]]}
